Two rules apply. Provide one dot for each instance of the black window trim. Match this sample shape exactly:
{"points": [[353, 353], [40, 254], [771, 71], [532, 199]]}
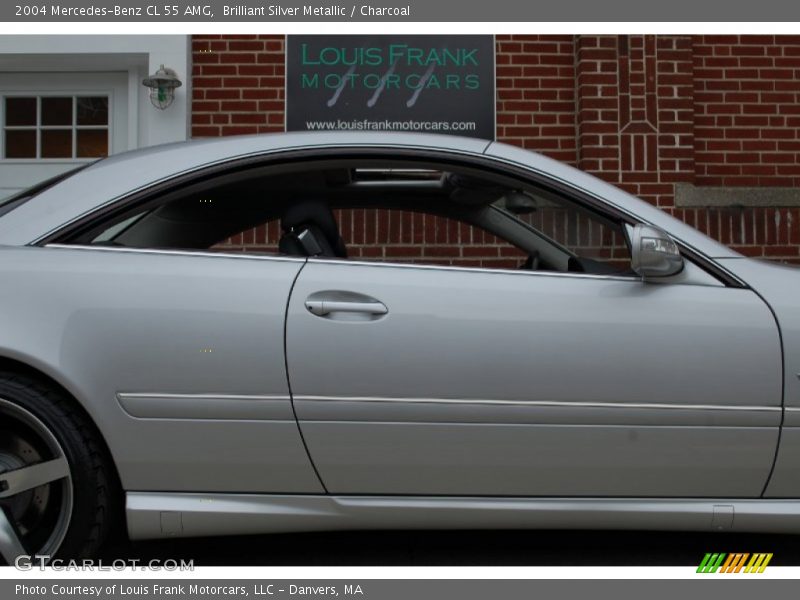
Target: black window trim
{"points": [[140, 197]]}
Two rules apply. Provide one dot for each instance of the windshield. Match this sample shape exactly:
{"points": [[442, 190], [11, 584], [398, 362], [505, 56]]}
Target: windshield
{"points": [[20, 198]]}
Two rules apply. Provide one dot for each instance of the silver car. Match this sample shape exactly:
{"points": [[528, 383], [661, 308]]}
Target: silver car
{"points": [[346, 330]]}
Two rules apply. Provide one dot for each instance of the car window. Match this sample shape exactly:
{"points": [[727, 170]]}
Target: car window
{"points": [[377, 234], [418, 215], [390, 235], [263, 239], [592, 240], [399, 236]]}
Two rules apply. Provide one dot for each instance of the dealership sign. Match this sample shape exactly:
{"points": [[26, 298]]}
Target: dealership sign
{"points": [[412, 83]]}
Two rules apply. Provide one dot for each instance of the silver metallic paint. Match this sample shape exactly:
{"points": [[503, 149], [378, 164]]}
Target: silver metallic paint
{"points": [[476, 410], [226, 514], [591, 344], [466, 459], [207, 406], [104, 322], [779, 286]]}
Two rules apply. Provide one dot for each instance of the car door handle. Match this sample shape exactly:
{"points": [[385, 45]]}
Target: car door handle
{"points": [[326, 307]]}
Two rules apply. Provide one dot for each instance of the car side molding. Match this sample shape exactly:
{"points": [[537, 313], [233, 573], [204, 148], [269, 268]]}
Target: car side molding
{"points": [[153, 515]]}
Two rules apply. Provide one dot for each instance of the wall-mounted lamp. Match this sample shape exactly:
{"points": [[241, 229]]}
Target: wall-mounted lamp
{"points": [[162, 86]]}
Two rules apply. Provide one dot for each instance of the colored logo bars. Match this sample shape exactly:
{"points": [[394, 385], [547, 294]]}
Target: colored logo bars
{"points": [[734, 563]]}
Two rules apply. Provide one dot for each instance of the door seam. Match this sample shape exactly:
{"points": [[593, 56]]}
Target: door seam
{"points": [[783, 395], [288, 378]]}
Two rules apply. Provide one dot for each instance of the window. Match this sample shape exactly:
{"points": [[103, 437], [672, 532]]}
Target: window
{"points": [[400, 236], [66, 127], [417, 214], [385, 235], [588, 237]]}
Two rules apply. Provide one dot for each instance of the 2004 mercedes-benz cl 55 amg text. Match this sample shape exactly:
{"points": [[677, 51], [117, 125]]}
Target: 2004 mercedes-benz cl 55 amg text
{"points": [[340, 331]]}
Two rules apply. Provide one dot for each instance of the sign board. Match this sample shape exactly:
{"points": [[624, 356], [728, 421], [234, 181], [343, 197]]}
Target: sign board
{"points": [[410, 83]]}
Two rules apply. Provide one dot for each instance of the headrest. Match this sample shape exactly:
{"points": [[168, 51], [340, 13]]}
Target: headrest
{"points": [[311, 212], [314, 220]]}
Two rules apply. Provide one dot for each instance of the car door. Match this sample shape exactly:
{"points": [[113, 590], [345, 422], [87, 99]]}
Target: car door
{"points": [[412, 379], [181, 354]]}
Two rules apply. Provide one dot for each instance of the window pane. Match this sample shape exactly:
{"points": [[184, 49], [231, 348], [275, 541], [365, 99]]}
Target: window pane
{"points": [[92, 143], [56, 143], [20, 143], [262, 239], [583, 235], [57, 111], [93, 110], [20, 111], [390, 235]]}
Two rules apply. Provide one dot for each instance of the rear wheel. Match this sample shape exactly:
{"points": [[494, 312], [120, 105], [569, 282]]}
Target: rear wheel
{"points": [[54, 493]]}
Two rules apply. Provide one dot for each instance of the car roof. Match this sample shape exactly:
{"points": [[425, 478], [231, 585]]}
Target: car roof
{"points": [[119, 175]]}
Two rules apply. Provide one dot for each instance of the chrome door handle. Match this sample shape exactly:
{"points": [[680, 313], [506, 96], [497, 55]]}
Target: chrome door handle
{"points": [[325, 307]]}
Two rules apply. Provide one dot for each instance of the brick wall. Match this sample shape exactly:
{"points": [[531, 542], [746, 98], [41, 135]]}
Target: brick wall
{"points": [[536, 94], [237, 84], [747, 133], [747, 110], [643, 112]]}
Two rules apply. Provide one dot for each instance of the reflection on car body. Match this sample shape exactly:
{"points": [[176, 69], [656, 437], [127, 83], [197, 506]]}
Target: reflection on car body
{"points": [[332, 331]]}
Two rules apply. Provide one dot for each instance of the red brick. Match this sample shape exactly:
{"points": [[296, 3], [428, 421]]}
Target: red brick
{"points": [[204, 131], [253, 45], [222, 94], [238, 130], [217, 70], [240, 82], [237, 57], [239, 106], [725, 111], [207, 82]]}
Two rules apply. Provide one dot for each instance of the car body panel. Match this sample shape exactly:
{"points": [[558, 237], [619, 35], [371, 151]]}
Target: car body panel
{"points": [[785, 480], [106, 322], [445, 394], [226, 514], [538, 460], [779, 285], [122, 174], [475, 383]]}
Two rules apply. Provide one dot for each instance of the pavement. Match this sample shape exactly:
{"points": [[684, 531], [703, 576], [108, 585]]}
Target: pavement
{"points": [[456, 548]]}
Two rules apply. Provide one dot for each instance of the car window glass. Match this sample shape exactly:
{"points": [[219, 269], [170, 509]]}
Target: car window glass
{"points": [[397, 214], [590, 239], [399, 236], [262, 239], [388, 235]]}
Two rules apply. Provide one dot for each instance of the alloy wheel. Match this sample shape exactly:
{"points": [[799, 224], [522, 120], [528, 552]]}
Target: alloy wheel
{"points": [[36, 493]]}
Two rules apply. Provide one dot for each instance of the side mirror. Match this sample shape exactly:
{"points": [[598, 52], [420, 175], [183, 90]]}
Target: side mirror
{"points": [[654, 253]]}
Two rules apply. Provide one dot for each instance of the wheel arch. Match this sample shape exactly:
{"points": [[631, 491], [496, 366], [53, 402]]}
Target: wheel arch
{"points": [[14, 365]]}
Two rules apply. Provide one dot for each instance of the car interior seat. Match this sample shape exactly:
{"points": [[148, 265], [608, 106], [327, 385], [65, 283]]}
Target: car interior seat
{"points": [[310, 229]]}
